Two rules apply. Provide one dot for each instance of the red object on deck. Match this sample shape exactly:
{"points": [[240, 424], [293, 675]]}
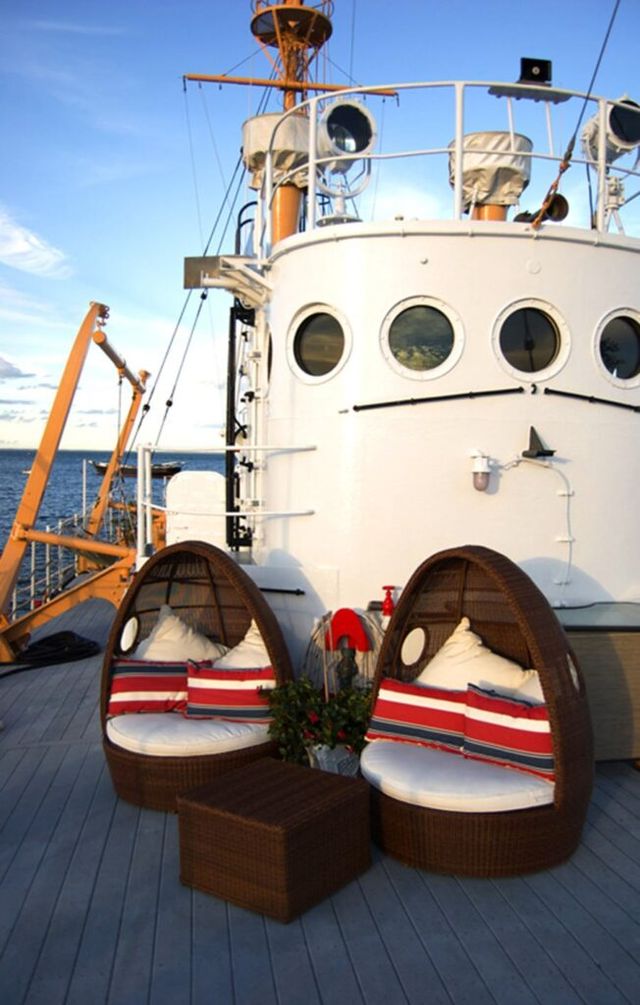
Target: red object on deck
{"points": [[346, 624]]}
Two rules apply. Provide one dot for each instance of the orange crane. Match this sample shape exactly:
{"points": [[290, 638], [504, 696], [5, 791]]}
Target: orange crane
{"points": [[108, 583]]}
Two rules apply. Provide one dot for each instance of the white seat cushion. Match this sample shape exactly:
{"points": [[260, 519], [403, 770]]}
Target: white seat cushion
{"points": [[445, 781], [169, 734]]}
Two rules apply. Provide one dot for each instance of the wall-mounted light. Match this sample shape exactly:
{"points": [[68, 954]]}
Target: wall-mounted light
{"points": [[480, 471]]}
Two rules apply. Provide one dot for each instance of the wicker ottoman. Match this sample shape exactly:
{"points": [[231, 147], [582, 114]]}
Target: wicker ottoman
{"points": [[274, 837]]}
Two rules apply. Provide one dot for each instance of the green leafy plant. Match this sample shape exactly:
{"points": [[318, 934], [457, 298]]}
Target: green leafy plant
{"points": [[302, 718]]}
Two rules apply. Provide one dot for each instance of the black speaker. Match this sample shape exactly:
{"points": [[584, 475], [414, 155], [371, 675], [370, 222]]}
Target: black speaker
{"points": [[535, 71]]}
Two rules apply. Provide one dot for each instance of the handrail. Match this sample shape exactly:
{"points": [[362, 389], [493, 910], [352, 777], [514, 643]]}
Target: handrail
{"points": [[535, 93]]}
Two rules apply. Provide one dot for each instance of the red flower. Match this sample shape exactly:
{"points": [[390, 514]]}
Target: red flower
{"points": [[341, 735], [313, 717]]}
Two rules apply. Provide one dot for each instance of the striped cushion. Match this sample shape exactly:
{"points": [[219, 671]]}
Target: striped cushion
{"points": [[142, 686], [508, 732], [229, 694], [415, 713]]}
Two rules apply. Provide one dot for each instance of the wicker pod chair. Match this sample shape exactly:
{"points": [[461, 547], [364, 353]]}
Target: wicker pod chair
{"points": [[513, 618], [211, 593]]}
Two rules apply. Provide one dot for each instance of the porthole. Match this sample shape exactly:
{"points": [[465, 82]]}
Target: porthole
{"points": [[318, 343], [529, 340], [618, 346], [531, 337], [421, 338]]}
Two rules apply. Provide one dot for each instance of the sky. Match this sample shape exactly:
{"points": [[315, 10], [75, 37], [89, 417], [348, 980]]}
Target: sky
{"points": [[112, 172]]}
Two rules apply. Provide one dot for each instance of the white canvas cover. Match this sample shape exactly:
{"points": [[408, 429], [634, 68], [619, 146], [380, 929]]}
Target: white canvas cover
{"points": [[290, 146], [494, 170]]}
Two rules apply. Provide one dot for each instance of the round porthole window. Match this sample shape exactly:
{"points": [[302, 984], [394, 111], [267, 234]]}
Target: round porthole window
{"points": [[419, 338], [619, 347], [529, 340], [530, 337], [318, 344]]}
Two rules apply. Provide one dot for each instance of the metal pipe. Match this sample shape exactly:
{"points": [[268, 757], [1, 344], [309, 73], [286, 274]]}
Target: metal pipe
{"points": [[458, 153], [75, 543], [103, 343]]}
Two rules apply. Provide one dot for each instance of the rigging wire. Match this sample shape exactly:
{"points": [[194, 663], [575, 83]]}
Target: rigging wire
{"points": [[353, 38], [565, 163], [192, 159], [231, 201], [169, 402]]}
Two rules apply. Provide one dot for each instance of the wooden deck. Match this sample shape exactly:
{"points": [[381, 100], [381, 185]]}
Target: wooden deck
{"points": [[92, 909]]}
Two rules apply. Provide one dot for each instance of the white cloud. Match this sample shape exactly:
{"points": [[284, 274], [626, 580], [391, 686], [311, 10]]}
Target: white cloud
{"points": [[23, 249], [70, 28], [10, 372]]}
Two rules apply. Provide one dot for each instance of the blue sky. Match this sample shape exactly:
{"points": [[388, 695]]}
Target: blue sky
{"points": [[110, 175]]}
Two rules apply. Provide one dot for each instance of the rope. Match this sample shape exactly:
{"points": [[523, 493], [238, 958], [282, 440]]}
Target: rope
{"points": [[565, 162], [169, 402]]}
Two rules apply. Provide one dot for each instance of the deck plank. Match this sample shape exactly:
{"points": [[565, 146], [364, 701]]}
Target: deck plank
{"points": [[456, 970], [211, 968], [407, 947], [171, 973], [496, 969], [39, 870], [540, 977], [90, 978], [56, 960], [531, 897], [293, 974], [253, 981], [132, 969], [329, 956]]}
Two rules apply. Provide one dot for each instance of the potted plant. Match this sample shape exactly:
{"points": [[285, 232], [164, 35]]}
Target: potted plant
{"points": [[306, 725]]}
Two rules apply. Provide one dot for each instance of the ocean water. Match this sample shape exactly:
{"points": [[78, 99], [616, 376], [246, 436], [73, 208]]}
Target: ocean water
{"points": [[64, 493]]}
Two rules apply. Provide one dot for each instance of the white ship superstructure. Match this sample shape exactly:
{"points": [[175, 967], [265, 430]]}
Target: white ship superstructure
{"points": [[409, 382]]}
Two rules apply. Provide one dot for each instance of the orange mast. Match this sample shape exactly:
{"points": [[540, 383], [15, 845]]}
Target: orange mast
{"points": [[297, 32]]}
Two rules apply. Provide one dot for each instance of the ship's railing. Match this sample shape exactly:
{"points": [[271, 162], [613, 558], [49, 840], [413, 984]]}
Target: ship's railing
{"points": [[48, 569], [446, 111]]}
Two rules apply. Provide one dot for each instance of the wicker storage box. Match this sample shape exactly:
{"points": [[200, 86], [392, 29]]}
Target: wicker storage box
{"points": [[274, 837]]}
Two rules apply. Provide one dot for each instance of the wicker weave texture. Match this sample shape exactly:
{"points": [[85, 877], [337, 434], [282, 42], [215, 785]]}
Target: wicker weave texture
{"points": [[273, 837], [515, 620], [210, 592]]}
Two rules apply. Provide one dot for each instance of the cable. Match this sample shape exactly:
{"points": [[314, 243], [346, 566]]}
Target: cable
{"points": [[565, 163], [169, 401]]}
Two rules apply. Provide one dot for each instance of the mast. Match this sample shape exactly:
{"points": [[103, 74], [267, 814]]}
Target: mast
{"points": [[297, 32]]}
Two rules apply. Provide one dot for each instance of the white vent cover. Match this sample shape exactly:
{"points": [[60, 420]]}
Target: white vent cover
{"points": [[495, 168], [290, 146]]}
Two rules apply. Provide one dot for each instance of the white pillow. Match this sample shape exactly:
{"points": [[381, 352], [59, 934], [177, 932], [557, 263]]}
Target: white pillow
{"points": [[250, 654], [172, 639], [464, 659]]}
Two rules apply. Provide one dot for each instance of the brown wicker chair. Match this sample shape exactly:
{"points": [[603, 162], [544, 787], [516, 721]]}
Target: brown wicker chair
{"points": [[514, 619], [210, 592]]}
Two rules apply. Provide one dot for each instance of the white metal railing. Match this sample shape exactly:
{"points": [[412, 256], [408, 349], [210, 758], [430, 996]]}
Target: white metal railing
{"points": [[48, 571], [571, 109]]}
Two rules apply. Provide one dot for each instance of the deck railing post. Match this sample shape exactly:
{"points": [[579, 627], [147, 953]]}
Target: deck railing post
{"points": [[458, 151]]}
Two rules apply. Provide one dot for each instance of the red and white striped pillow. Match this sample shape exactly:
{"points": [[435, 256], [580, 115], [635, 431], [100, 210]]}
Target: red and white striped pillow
{"points": [[236, 694], [415, 713], [508, 732], [142, 686]]}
